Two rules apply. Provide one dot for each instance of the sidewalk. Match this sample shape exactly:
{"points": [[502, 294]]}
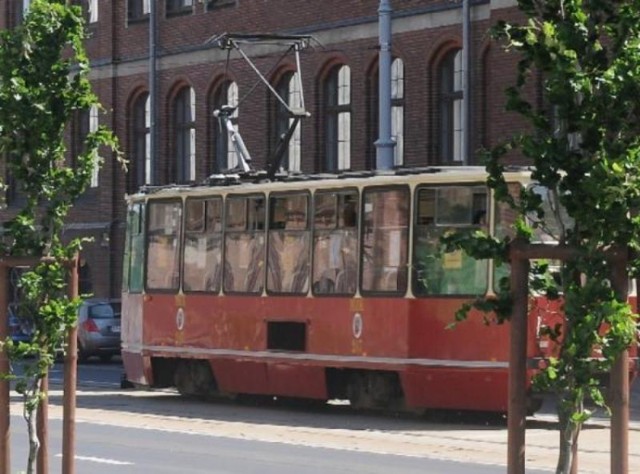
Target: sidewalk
{"points": [[334, 427]]}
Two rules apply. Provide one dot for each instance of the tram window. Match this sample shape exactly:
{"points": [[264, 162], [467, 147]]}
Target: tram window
{"points": [[335, 242], [440, 210], [126, 265], [244, 242], [384, 243], [556, 218], [202, 261], [289, 244], [506, 217], [163, 254], [504, 220], [236, 214], [134, 250]]}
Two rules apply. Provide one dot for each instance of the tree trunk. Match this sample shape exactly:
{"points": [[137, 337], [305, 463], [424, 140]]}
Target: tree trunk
{"points": [[569, 431], [31, 416], [31, 396]]}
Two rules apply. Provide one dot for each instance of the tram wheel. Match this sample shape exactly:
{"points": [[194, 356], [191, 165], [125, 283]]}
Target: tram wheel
{"points": [[194, 378], [358, 392], [374, 390]]}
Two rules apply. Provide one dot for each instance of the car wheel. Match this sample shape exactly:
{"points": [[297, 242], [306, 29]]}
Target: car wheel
{"points": [[82, 355]]}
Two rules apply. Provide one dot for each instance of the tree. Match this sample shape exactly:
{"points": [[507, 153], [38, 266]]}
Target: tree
{"points": [[43, 82], [584, 145]]}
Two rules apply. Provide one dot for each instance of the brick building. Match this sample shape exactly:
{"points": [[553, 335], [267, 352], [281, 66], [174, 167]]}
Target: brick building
{"points": [[193, 77]]}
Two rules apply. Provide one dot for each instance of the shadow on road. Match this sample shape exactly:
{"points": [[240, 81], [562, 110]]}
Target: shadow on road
{"points": [[300, 413]]}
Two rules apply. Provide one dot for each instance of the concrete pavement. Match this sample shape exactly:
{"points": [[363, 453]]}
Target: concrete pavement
{"points": [[438, 437]]}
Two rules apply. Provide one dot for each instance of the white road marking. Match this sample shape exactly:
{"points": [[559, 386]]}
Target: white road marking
{"points": [[100, 460], [86, 383]]}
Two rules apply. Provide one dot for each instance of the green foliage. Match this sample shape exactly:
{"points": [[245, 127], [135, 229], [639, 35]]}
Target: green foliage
{"points": [[43, 83], [584, 145]]}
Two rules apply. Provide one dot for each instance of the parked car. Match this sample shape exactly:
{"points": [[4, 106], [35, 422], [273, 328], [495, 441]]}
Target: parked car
{"points": [[20, 326], [99, 329]]}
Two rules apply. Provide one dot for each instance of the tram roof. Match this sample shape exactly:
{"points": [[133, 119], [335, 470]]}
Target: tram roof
{"points": [[254, 182]]}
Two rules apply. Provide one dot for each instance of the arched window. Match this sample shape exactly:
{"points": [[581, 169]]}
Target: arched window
{"points": [[289, 89], [92, 7], [484, 124], [94, 123], [138, 9], [79, 129], [85, 121], [21, 11], [175, 7], [337, 93], [451, 97], [184, 120], [397, 110], [225, 155], [140, 163]]}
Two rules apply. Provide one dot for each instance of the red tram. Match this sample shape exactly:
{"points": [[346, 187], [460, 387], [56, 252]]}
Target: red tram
{"points": [[319, 287]]}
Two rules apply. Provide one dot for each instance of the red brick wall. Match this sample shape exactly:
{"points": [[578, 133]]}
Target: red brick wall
{"points": [[119, 52]]}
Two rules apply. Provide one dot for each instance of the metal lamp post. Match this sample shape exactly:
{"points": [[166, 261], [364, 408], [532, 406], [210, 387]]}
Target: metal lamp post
{"points": [[384, 144]]}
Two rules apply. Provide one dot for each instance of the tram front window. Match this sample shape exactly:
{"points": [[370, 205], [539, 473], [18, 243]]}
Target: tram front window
{"points": [[439, 211], [163, 252]]}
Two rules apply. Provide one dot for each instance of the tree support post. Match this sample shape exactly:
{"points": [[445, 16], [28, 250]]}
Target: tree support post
{"points": [[516, 419], [5, 386], [42, 429], [5, 412], [70, 380], [619, 385]]}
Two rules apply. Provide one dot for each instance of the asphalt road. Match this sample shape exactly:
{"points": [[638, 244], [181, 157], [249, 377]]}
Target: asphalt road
{"points": [[132, 431], [104, 449]]}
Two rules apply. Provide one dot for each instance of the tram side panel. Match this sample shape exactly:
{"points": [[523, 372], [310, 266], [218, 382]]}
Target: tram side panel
{"points": [[138, 369], [278, 346], [462, 367]]}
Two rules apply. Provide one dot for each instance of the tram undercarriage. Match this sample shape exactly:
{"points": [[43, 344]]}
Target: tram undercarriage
{"points": [[364, 389]]}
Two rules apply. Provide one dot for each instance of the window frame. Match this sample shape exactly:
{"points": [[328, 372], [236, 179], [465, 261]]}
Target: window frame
{"points": [[204, 232], [450, 98], [221, 151], [140, 233], [140, 140], [80, 129], [178, 7], [398, 110], [93, 12], [334, 110], [24, 8], [136, 10], [179, 238], [307, 230], [358, 194], [183, 116], [382, 188], [212, 5], [94, 125], [456, 225], [226, 232], [282, 121]]}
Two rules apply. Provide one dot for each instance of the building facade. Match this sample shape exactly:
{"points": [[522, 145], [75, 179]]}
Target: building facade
{"points": [[160, 79]]}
